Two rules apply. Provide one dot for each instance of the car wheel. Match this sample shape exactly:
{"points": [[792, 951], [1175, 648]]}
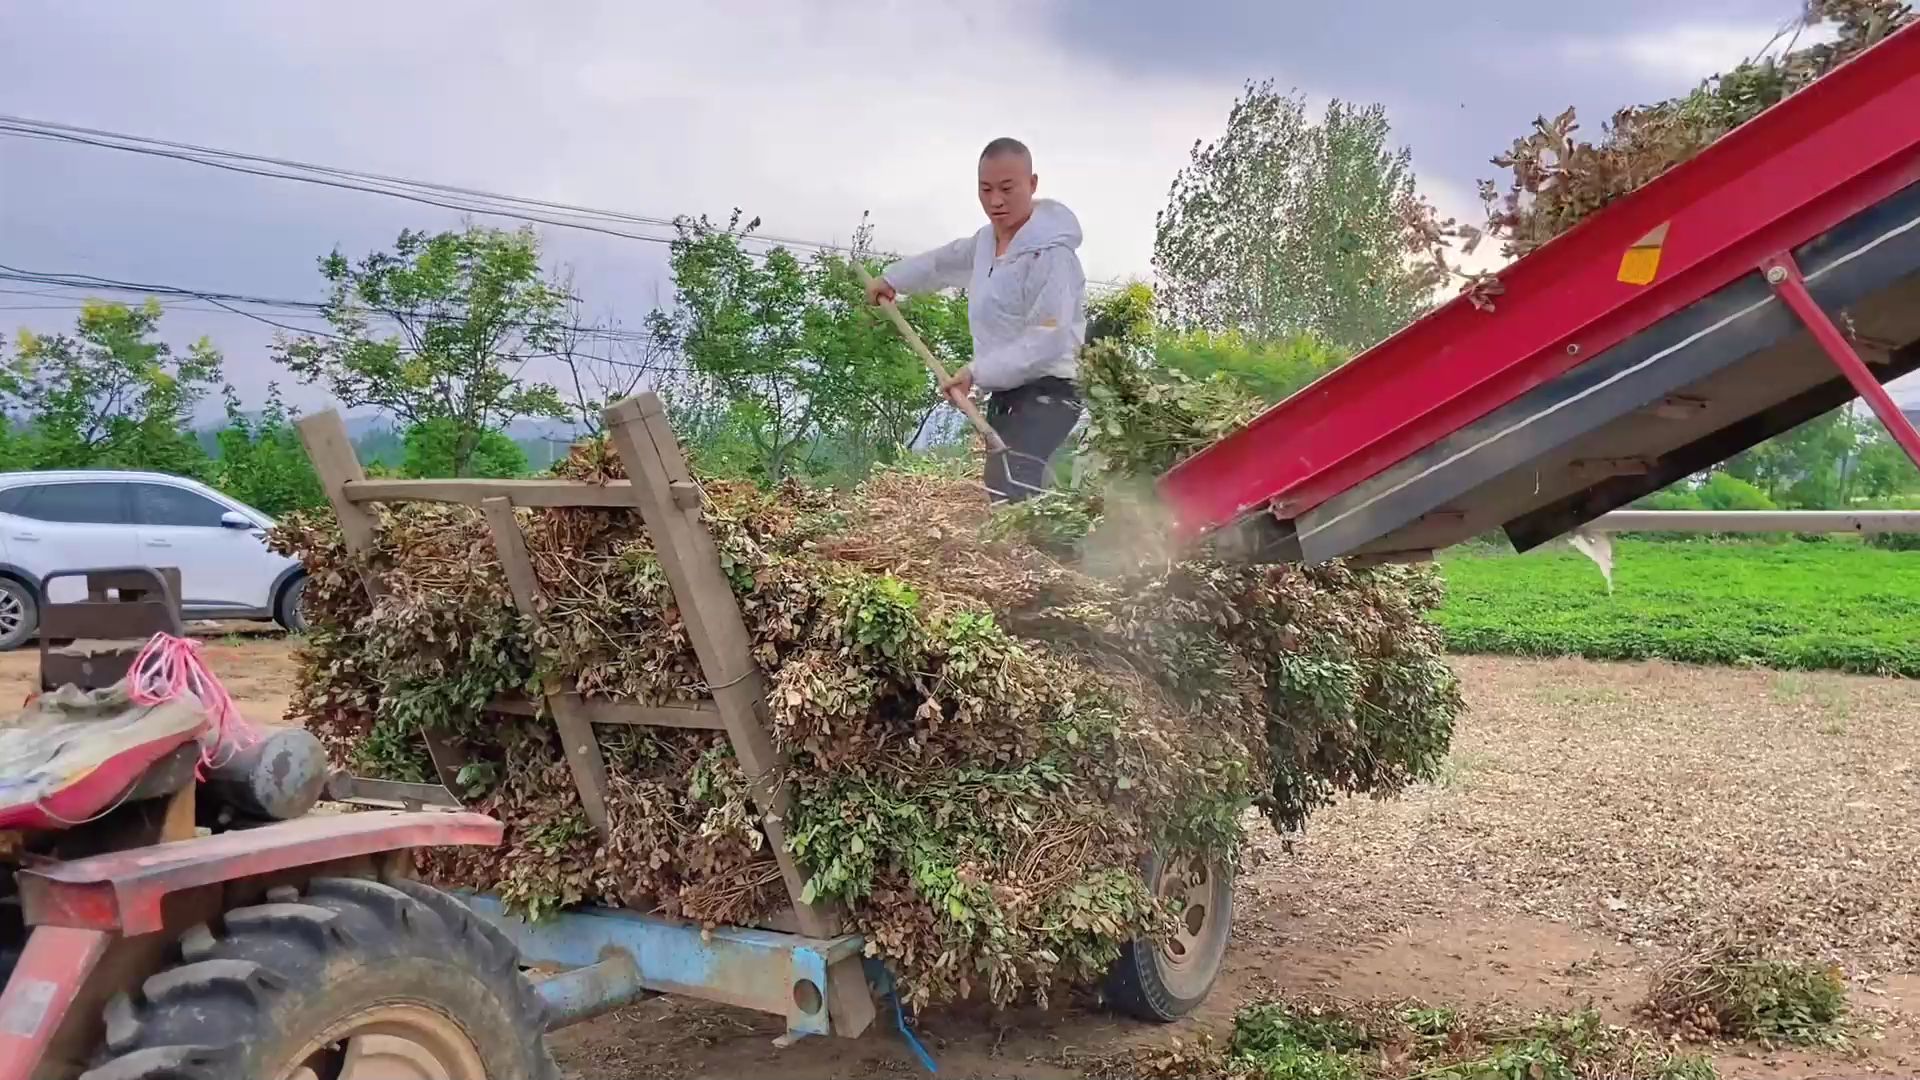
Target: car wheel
{"points": [[19, 614], [292, 613]]}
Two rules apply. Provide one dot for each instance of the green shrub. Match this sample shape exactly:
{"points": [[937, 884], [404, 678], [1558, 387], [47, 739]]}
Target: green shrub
{"points": [[1724, 491]]}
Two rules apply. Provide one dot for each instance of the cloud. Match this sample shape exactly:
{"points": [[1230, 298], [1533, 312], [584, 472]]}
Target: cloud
{"points": [[1684, 54], [804, 113], [807, 115]]}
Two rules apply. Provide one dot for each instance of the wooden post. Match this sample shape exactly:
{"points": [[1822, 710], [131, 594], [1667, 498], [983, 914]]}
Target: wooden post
{"points": [[658, 472], [324, 435], [569, 715], [330, 448]]}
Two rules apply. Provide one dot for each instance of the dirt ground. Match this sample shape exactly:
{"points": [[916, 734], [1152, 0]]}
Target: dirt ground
{"points": [[254, 662], [1593, 816]]}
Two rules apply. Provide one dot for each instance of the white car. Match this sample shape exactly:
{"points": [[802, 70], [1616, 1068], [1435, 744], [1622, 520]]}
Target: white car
{"points": [[87, 519]]}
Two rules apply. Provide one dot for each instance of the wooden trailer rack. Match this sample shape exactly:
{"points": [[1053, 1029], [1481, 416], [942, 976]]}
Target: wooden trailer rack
{"points": [[736, 966]]}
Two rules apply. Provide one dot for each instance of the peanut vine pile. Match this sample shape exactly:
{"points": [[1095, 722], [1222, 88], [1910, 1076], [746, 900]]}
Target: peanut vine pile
{"points": [[982, 737]]}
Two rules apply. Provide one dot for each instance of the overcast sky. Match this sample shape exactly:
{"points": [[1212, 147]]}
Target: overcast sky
{"points": [[804, 113]]}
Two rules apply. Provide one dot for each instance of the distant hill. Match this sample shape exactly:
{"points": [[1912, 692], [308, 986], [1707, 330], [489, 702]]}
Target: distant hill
{"points": [[376, 437]]}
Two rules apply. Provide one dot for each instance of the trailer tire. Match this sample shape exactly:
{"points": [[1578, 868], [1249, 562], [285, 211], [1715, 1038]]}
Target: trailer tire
{"points": [[351, 979], [1162, 981]]}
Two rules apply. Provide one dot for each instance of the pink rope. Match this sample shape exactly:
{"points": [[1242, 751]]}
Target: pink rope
{"points": [[169, 667]]}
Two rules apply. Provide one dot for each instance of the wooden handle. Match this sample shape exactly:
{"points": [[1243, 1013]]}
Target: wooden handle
{"points": [[960, 401]]}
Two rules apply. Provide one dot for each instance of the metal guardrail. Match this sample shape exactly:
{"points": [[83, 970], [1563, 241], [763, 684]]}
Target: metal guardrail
{"points": [[1757, 521], [1595, 538]]}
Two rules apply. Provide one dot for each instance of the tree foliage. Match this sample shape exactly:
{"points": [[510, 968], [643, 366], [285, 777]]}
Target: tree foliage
{"points": [[467, 309], [1838, 461], [1269, 370], [431, 447], [790, 372], [108, 395], [1828, 463], [261, 461], [1285, 226]]}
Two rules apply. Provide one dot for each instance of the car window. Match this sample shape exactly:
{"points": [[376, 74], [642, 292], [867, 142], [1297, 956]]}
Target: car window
{"points": [[81, 503], [160, 504], [11, 498]]}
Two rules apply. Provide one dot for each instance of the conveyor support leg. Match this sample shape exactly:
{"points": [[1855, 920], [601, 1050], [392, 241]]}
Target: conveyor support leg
{"points": [[1783, 273]]}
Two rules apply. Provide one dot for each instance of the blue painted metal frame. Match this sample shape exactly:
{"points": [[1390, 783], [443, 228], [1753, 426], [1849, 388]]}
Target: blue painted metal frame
{"points": [[613, 956]]}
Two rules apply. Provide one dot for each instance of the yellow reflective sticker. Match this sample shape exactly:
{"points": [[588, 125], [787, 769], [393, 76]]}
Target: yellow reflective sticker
{"points": [[1642, 261], [1639, 265]]}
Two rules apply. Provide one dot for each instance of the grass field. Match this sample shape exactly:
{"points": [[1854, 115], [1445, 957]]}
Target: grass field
{"points": [[1838, 605]]}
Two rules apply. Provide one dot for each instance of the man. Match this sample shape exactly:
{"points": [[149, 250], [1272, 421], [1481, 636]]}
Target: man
{"points": [[1027, 309]]}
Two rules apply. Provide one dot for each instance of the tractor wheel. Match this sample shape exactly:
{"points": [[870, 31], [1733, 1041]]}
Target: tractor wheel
{"points": [[351, 980], [1162, 981]]}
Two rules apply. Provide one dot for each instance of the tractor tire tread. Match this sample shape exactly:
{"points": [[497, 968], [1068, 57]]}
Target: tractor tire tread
{"points": [[240, 980]]}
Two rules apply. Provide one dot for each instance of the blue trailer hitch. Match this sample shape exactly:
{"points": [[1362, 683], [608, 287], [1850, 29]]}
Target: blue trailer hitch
{"points": [[612, 957]]}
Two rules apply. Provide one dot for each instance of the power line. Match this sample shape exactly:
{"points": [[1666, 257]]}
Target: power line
{"points": [[199, 154], [308, 308], [446, 196], [312, 309]]}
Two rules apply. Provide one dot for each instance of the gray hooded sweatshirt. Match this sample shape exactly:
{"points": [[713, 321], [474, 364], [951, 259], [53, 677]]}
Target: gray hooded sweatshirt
{"points": [[1027, 309]]}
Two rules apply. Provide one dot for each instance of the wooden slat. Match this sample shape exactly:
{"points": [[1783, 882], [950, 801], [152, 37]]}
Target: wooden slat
{"points": [[539, 493], [330, 449], [576, 731], [646, 444], [702, 715]]}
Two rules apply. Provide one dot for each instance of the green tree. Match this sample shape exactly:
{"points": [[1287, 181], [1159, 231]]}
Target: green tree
{"points": [[1270, 370], [790, 372], [1124, 315], [1285, 227], [262, 462], [469, 309], [1808, 468], [1882, 470], [431, 446], [108, 396]]}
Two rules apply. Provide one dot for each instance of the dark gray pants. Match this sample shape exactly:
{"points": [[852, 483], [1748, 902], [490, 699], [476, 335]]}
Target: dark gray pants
{"points": [[1033, 420]]}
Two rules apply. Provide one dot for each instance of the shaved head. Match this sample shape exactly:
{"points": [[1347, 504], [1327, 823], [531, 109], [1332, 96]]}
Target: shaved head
{"points": [[1007, 184], [1007, 147]]}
